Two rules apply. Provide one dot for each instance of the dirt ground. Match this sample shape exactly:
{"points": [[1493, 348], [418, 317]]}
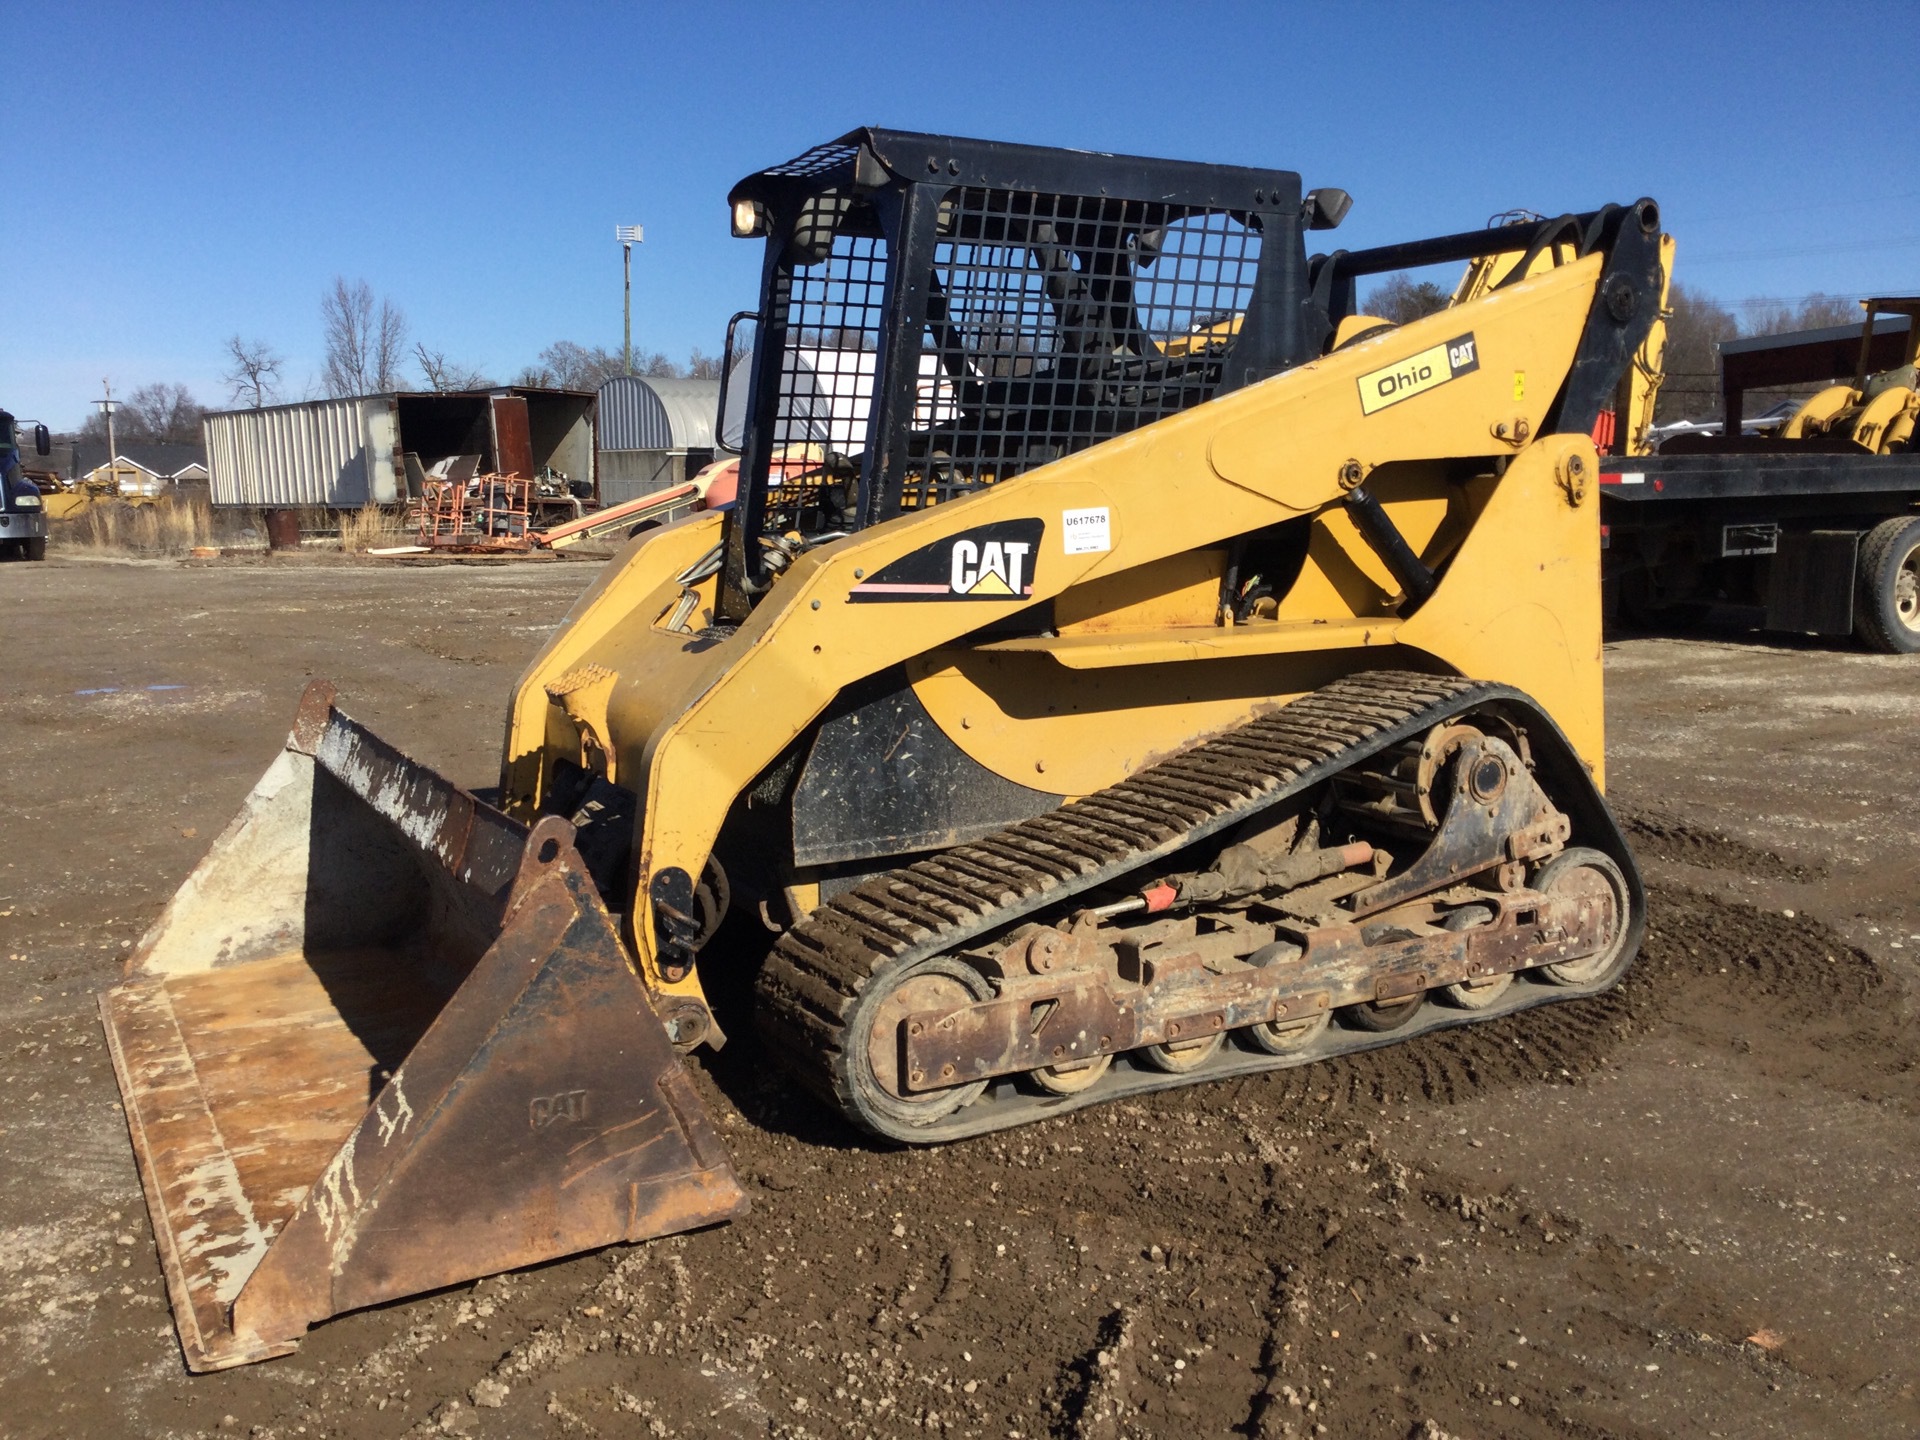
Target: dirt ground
{"points": [[1685, 1209]]}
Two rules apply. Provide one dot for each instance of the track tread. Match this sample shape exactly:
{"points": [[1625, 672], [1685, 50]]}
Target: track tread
{"points": [[814, 977]]}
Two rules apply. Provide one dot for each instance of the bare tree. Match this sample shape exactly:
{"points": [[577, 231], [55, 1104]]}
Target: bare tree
{"points": [[443, 374], [389, 347], [1401, 300], [366, 343], [1697, 326], [566, 366], [346, 314], [255, 373], [1816, 312], [164, 413], [702, 366]]}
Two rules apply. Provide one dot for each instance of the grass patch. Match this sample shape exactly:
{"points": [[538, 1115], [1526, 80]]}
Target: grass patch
{"points": [[371, 528], [172, 525]]}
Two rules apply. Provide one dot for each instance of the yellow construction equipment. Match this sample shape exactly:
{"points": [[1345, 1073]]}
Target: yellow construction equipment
{"points": [[1878, 410], [1141, 691], [1623, 429]]}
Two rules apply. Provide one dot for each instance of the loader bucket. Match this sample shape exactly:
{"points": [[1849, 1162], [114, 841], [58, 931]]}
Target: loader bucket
{"points": [[386, 1039]]}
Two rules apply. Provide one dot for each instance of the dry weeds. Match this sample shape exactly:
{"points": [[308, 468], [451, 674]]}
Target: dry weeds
{"points": [[169, 526], [369, 528], [178, 524]]}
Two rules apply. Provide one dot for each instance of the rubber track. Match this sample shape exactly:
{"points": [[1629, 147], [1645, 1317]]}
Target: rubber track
{"points": [[818, 969]]}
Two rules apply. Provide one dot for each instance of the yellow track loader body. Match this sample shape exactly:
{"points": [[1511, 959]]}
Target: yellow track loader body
{"points": [[1104, 680], [687, 718]]}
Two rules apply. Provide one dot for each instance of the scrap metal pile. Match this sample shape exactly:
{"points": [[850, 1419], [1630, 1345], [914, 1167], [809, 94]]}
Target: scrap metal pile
{"points": [[480, 515]]}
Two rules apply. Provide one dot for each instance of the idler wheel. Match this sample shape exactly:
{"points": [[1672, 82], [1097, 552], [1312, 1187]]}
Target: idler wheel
{"points": [[1287, 1037], [1585, 872], [1380, 1016], [1177, 1057], [879, 1030], [1474, 994], [1292, 1035]]}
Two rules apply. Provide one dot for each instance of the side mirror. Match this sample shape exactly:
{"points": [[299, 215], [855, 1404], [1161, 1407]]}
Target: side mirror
{"points": [[42, 441], [1325, 209]]}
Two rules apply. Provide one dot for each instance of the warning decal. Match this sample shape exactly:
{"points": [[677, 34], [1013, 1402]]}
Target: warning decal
{"points": [[988, 562], [1417, 374]]}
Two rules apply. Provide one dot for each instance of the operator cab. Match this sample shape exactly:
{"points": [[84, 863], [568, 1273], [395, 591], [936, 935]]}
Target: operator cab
{"points": [[941, 314]]}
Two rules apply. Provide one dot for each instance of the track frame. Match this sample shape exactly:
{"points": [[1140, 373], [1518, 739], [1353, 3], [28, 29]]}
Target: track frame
{"points": [[818, 986]]}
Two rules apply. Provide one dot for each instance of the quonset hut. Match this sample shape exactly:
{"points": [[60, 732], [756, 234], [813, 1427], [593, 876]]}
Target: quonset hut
{"points": [[654, 432]]}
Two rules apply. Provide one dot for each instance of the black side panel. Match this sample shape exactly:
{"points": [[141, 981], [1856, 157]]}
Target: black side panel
{"points": [[1778, 469], [1810, 584], [883, 779]]}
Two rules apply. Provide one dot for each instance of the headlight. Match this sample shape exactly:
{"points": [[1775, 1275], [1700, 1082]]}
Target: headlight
{"points": [[27, 502]]}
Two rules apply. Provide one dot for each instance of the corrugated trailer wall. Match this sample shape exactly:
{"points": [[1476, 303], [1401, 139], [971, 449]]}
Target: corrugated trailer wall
{"points": [[333, 453]]}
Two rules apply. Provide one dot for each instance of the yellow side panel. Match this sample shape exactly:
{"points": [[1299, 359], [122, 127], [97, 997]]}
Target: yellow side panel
{"points": [[1521, 600], [1528, 329], [611, 625], [1182, 589]]}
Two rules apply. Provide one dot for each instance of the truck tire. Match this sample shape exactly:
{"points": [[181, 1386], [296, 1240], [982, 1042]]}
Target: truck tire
{"points": [[1887, 600], [34, 549]]}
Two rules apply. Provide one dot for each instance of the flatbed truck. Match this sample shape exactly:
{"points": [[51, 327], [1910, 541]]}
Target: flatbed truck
{"points": [[1813, 535]]}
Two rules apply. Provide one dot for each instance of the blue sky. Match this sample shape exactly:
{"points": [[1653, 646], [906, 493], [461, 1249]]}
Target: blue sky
{"points": [[184, 172]]}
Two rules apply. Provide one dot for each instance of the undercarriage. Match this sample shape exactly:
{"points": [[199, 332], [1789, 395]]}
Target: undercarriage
{"points": [[1379, 859]]}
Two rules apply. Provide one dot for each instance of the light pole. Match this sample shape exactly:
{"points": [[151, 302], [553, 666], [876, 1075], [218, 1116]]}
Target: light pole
{"points": [[628, 236]]}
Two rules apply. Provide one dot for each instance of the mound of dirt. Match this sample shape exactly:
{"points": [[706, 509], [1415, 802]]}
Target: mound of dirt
{"points": [[1667, 837]]}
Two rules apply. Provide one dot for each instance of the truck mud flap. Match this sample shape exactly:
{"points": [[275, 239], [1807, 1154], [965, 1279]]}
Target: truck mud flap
{"points": [[386, 1039]]}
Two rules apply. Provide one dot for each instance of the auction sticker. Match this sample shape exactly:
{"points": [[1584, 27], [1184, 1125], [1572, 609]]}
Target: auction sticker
{"points": [[1086, 532]]}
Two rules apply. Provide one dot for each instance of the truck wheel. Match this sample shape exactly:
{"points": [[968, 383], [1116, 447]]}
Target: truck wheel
{"points": [[34, 549], [1887, 601]]}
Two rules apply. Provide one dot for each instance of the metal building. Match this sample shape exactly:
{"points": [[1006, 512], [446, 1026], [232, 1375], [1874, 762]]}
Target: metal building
{"points": [[654, 432], [377, 449]]}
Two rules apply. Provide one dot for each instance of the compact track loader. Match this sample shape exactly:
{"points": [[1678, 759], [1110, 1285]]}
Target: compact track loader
{"points": [[1124, 666]]}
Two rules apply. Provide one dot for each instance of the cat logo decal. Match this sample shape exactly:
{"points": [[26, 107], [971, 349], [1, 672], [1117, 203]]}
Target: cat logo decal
{"points": [[988, 562]]}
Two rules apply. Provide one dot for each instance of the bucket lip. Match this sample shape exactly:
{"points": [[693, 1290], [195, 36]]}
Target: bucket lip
{"points": [[311, 716], [206, 1346]]}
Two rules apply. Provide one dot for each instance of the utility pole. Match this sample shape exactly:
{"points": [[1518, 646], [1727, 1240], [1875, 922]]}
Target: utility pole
{"points": [[107, 407], [628, 236]]}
